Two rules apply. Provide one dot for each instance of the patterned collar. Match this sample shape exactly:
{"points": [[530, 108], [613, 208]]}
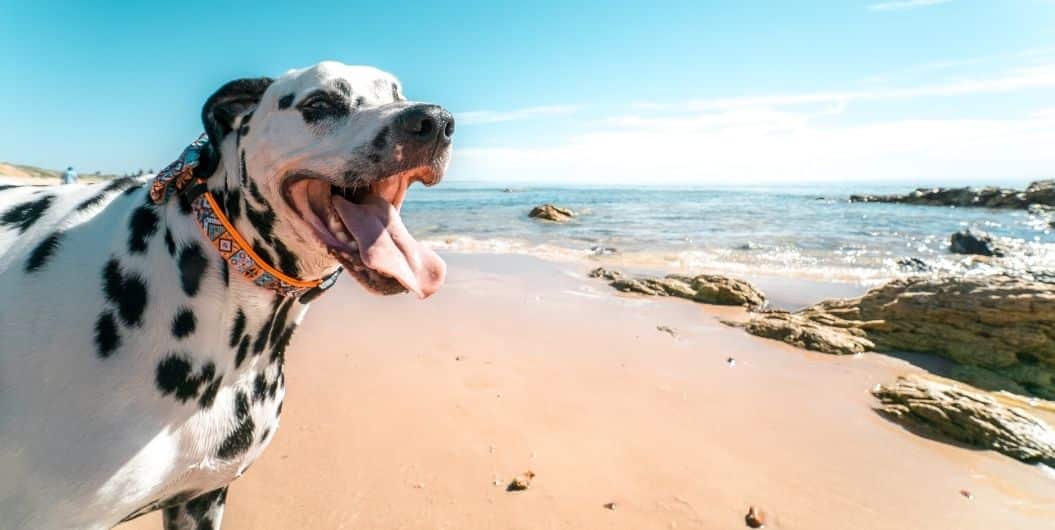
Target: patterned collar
{"points": [[177, 179]]}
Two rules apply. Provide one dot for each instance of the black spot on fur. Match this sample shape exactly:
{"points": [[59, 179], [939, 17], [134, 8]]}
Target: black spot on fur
{"points": [[285, 101], [259, 249], [170, 244], [88, 203], [241, 438], [40, 254], [192, 264], [107, 337], [225, 273], [184, 323], [184, 202], [261, 340], [278, 411], [174, 376], [359, 101], [395, 92], [263, 221], [237, 329], [287, 261], [273, 389], [381, 140], [243, 350], [7, 186], [279, 323], [142, 226], [343, 87], [209, 394], [234, 205], [259, 388], [200, 507], [24, 215], [124, 183], [278, 349], [265, 434], [126, 291], [241, 406]]}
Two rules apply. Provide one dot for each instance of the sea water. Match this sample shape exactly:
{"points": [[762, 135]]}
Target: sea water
{"points": [[811, 232]]}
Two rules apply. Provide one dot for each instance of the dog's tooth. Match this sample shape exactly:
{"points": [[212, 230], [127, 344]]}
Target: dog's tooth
{"points": [[342, 236], [335, 225]]}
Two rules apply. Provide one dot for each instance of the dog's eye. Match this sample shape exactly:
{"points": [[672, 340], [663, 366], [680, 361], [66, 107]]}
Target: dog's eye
{"points": [[317, 104]]}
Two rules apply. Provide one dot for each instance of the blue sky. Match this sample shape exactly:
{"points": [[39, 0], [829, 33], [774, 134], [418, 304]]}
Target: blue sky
{"points": [[644, 92]]}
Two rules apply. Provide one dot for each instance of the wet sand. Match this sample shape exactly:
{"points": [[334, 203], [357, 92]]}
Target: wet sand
{"points": [[407, 414]]}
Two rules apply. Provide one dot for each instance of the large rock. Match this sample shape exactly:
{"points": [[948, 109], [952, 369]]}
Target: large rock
{"points": [[703, 288], [977, 243], [550, 212], [975, 418], [1039, 192], [801, 331], [1001, 324]]}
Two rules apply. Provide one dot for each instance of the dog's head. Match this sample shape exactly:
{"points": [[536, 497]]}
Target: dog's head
{"points": [[314, 167]]}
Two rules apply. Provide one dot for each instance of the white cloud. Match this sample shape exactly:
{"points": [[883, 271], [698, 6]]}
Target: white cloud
{"points": [[493, 116], [1042, 76], [789, 137], [902, 5], [738, 146]]}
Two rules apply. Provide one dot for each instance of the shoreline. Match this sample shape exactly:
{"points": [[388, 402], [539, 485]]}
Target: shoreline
{"points": [[522, 364]]}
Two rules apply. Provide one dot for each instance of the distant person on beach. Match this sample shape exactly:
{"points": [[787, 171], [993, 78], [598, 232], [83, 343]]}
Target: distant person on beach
{"points": [[70, 176]]}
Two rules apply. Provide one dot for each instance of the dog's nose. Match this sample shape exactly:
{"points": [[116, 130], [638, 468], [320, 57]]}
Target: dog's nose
{"points": [[426, 123]]}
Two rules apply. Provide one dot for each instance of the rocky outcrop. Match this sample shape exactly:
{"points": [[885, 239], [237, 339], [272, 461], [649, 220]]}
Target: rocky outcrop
{"points": [[702, 288], [977, 243], [1001, 326], [550, 212], [1039, 192], [939, 408], [832, 336]]}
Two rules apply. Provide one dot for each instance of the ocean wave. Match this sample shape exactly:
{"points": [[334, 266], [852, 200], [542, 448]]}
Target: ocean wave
{"points": [[859, 266]]}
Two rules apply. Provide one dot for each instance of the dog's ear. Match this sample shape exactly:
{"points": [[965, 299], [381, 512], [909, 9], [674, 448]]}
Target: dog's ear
{"points": [[220, 110], [231, 100]]}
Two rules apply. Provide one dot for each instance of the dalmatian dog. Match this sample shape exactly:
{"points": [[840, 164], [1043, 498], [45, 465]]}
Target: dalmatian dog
{"points": [[138, 370]]}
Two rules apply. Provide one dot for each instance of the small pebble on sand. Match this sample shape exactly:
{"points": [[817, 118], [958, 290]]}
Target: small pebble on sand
{"points": [[755, 518], [609, 505], [730, 361], [521, 482]]}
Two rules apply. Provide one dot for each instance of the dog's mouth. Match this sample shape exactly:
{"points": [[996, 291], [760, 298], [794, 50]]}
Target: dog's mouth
{"points": [[360, 226]]}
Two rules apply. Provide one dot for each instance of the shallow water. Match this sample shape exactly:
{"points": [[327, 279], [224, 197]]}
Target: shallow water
{"points": [[805, 231]]}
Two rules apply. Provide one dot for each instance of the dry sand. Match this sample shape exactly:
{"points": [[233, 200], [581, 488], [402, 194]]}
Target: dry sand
{"points": [[407, 414]]}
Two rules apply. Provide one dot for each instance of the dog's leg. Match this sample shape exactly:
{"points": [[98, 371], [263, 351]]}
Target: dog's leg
{"points": [[203, 512]]}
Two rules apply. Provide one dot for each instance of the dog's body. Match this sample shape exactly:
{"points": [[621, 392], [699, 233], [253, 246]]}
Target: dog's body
{"points": [[137, 370]]}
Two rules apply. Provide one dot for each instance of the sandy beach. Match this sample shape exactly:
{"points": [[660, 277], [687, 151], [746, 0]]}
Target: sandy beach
{"points": [[407, 414]]}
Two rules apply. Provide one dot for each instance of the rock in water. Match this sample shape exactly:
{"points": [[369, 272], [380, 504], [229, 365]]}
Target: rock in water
{"points": [[934, 406], [1002, 325], [1039, 192], [549, 212], [703, 288], [610, 275], [978, 243]]}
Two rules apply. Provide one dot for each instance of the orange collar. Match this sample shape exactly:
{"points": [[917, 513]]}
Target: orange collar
{"points": [[178, 178]]}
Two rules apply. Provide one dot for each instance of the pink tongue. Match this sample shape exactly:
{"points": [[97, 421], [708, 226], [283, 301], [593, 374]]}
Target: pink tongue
{"points": [[386, 247]]}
